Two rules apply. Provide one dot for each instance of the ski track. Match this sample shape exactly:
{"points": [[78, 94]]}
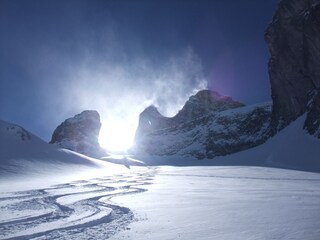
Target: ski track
{"points": [[76, 210]]}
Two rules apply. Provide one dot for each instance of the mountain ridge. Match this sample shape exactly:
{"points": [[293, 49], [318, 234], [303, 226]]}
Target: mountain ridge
{"points": [[157, 135]]}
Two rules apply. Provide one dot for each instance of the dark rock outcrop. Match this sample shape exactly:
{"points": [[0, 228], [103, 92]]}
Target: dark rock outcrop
{"points": [[293, 38], [208, 125], [80, 133]]}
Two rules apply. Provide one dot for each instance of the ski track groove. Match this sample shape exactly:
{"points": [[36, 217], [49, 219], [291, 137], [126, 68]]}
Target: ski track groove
{"points": [[98, 208]]}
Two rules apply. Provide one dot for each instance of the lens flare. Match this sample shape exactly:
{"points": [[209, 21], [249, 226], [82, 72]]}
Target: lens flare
{"points": [[117, 135]]}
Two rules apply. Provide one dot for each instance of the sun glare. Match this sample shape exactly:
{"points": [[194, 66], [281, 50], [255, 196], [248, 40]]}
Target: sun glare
{"points": [[117, 135]]}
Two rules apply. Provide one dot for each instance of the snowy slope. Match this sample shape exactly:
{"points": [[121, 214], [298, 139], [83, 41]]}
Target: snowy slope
{"points": [[24, 153], [228, 203], [200, 202], [49, 193], [290, 148]]}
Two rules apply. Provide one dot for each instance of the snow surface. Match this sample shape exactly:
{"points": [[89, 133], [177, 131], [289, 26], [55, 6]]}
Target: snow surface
{"points": [[72, 210], [290, 148], [49, 193], [24, 156], [201, 202], [226, 203]]}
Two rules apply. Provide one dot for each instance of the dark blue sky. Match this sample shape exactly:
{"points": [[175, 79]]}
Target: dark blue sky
{"points": [[59, 57]]}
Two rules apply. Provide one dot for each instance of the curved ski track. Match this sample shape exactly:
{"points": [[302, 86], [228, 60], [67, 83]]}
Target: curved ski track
{"points": [[76, 210]]}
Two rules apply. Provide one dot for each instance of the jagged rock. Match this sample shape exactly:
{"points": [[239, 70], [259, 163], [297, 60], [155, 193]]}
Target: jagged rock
{"points": [[151, 119], [204, 102], [80, 133], [200, 104], [293, 38], [208, 125]]}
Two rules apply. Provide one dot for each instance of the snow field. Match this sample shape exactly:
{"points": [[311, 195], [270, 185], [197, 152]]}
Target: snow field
{"points": [[226, 203]]}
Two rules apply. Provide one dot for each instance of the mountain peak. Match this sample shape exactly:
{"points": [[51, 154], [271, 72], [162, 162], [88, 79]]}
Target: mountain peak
{"points": [[207, 94], [151, 111], [204, 102], [85, 115], [79, 133]]}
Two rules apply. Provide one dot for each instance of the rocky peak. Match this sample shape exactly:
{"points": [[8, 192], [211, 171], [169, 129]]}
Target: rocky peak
{"points": [[204, 102], [149, 120], [79, 133], [151, 112], [293, 38], [209, 136]]}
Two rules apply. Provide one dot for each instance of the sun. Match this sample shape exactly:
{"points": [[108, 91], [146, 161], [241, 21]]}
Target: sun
{"points": [[117, 135]]}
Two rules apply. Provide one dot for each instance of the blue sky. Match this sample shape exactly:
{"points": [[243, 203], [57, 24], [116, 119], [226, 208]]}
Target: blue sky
{"points": [[59, 58]]}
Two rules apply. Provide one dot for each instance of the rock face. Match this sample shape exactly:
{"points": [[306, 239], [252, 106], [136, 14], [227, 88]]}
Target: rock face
{"points": [[204, 102], [80, 133], [208, 125], [293, 38], [198, 105]]}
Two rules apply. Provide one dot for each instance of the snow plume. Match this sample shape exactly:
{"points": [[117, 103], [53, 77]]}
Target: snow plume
{"points": [[121, 87], [177, 79]]}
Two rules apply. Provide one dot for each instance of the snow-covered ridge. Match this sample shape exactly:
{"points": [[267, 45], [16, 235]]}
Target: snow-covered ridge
{"points": [[213, 134], [21, 152]]}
